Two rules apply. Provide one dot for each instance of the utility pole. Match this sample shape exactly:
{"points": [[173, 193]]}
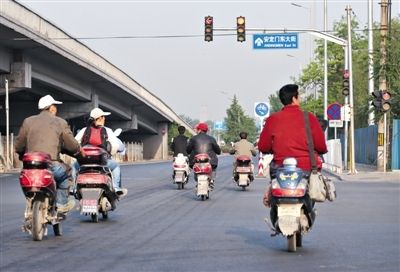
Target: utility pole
{"points": [[371, 115], [352, 168], [382, 127]]}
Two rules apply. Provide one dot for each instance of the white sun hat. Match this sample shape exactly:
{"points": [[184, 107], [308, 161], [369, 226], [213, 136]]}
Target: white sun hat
{"points": [[97, 112], [47, 101]]}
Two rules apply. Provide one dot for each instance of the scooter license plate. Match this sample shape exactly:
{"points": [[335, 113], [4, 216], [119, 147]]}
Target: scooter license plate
{"points": [[178, 176], [289, 210], [89, 206], [243, 169], [202, 186]]}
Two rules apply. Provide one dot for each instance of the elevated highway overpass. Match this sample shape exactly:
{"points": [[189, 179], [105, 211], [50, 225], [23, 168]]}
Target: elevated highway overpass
{"points": [[38, 58]]}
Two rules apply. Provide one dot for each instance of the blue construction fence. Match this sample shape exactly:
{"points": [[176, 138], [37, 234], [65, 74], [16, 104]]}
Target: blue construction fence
{"points": [[365, 140], [396, 144]]}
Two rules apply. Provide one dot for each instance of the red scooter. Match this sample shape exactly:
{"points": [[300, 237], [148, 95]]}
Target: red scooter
{"points": [[202, 174], [94, 187], [243, 173], [39, 188]]}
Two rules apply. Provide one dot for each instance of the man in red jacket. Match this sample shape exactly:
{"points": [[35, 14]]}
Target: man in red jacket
{"points": [[284, 133]]}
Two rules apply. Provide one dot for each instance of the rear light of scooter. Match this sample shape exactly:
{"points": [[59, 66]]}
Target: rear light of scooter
{"points": [[179, 166], [36, 178], [92, 178], [202, 168], [298, 191], [245, 169]]}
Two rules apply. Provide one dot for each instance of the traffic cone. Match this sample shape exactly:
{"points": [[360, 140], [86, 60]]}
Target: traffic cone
{"points": [[260, 167]]}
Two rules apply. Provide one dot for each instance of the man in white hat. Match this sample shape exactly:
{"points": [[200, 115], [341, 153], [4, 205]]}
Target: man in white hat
{"points": [[106, 136], [47, 133]]}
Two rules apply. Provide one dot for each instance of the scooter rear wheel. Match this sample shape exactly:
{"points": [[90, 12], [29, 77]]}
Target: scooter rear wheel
{"points": [[38, 217], [292, 243], [95, 217]]}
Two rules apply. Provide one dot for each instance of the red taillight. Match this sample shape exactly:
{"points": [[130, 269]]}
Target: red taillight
{"points": [[243, 169], [202, 168], [179, 166], [35, 178], [24, 180], [278, 192], [91, 178]]}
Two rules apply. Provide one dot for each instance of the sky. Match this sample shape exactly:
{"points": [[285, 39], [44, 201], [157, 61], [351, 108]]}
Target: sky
{"points": [[160, 44]]}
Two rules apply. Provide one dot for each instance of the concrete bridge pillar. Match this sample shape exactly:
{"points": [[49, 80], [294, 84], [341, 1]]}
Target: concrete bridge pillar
{"points": [[156, 146]]}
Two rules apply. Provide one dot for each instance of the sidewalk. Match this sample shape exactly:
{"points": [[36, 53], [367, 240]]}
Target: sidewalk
{"points": [[365, 173]]}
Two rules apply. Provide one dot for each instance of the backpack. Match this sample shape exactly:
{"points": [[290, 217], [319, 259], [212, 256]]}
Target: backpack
{"points": [[96, 136]]}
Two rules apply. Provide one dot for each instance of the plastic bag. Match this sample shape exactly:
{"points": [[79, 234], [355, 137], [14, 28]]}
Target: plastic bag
{"points": [[316, 187], [330, 189]]}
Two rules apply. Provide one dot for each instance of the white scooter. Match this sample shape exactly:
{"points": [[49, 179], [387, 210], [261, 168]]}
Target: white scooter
{"points": [[181, 171]]}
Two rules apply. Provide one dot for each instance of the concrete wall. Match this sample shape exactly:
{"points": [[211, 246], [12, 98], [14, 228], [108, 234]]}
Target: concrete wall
{"points": [[156, 146]]}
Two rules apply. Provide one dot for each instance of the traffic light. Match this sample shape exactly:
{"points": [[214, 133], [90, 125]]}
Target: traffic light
{"points": [[382, 100], [377, 102], [386, 104], [346, 83], [208, 28], [241, 28]]}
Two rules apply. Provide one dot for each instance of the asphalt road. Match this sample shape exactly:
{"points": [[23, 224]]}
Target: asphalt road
{"points": [[159, 228]]}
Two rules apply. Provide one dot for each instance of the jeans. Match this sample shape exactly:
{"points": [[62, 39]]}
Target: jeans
{"points": [[61, 177], [111, 164]]}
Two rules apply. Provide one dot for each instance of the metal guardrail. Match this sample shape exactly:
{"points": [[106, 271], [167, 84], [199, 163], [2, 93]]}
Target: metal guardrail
{"points": [[134, 152]]}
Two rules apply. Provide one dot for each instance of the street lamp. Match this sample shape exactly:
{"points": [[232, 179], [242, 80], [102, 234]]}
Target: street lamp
{"points": [[310, 25]]}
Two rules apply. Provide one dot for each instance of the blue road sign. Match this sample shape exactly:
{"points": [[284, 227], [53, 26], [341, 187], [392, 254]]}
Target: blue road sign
{"points": [[276, 41], [261, 109], [219, 125], [333, 111]]}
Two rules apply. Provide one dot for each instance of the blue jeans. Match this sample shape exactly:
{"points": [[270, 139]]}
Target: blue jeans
{"points": [[111, 164], [62, 180]]}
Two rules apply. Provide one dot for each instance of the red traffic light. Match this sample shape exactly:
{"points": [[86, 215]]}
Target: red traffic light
{"points": [[208, 28], [346, 74], [386, 104]]}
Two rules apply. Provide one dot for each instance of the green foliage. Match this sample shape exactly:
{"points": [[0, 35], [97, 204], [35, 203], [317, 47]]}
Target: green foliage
{"points": [[274, 102], [236, 122], [312, 76]]}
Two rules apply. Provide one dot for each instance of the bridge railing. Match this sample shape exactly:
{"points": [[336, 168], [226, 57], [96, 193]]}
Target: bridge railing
{"points": [[134, 152]]}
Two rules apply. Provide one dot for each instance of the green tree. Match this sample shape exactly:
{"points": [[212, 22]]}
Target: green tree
{"points": [[274, 102], [236, 122]]}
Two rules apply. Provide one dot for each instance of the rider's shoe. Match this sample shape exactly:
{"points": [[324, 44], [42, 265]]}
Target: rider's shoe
{"points": [[121, 192], [66, 207], [212, 184]]}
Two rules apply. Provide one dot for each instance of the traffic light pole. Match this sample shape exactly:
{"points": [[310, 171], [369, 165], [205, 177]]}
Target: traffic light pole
{"points": [[352, 169], [347, 54]]}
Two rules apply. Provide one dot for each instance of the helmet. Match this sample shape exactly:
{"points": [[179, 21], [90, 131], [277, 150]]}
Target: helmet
{"points": [[202, 127]]}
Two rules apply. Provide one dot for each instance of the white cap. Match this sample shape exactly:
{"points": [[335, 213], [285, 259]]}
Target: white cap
{"points": [[97, 112], [47, 101]]}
